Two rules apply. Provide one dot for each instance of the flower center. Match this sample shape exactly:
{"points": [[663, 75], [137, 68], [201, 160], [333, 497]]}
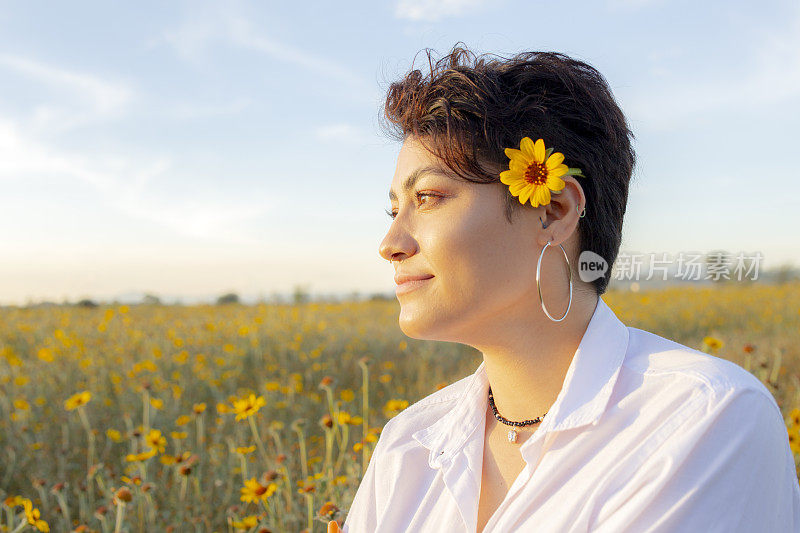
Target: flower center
{"points": [[260, 490], [536, 174]]}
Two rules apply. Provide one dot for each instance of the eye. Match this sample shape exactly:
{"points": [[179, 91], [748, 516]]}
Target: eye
{"points": [[393, 214]]}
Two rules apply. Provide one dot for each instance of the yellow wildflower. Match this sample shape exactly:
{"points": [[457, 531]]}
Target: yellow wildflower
{"points": [[244, 450], [794, 416], [13, 501], [33, 516], [712, 343], [45, 354], [248, 406], [247, 522], [76, 400], [156, 441], [395, 405], [253, 491], [139, 457], [794, 439]]}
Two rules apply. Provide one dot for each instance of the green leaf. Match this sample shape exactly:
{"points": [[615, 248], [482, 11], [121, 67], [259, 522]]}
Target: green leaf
{"points": [[575, 172], [547, 153]]}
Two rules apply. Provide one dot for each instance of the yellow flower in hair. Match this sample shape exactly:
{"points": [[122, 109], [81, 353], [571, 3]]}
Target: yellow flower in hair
{"points": [[534, 171]]}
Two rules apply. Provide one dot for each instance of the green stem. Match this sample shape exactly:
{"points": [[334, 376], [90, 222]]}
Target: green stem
{"points": [[200, 432], [310, 511], [20, 527], [90, 453], [342, 448], [331, 407], [244, 467], [65, 509], [287, 488], [120, 515], [364, 413], [303, 456], [260, 444], [329, 452], [146, 411]]}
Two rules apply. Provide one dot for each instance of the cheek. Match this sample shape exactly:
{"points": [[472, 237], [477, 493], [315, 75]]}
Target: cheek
{"points": [[479, 256]]}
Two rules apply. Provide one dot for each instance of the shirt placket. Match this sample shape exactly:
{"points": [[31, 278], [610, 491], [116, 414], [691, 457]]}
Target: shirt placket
{"points": [[505, 516]]}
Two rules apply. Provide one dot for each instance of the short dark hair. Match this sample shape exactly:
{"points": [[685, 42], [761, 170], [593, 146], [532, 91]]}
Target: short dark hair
{"points": [[468, 108]]}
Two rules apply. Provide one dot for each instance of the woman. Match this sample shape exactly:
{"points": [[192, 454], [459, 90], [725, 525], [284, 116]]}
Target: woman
{"points": [[509, 170]]}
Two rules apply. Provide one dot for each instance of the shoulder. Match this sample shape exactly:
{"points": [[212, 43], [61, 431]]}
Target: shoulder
{"points": [[669, 362]]}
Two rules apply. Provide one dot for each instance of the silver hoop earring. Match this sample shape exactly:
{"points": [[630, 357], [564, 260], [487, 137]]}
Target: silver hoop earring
{"points": [[539, 287], [583, 214]]}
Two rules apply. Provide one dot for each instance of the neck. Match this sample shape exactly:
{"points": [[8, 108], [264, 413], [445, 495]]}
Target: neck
{"points": [[527, 366]]}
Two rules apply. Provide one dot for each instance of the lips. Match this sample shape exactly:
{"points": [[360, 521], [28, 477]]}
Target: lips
{"points": [[402, 278]]}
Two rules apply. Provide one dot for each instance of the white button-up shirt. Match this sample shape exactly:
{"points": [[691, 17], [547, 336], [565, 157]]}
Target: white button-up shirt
{"points": [[646, 435]]}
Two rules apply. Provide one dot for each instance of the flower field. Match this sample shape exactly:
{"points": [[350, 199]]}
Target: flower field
{"points": [[263, 418]]}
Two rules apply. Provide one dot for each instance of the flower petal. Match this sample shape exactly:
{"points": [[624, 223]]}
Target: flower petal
{"points": [[526, 145], [512, 152], [533, 200], [517, 187], [515, 164], [557, 172], [510, 176], [555, 183], [519, 159], [554, 160], [538, 151], [543, 195], [526, 194]]}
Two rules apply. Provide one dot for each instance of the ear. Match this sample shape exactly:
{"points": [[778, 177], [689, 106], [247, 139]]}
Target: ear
{"points": [[562, 213]]}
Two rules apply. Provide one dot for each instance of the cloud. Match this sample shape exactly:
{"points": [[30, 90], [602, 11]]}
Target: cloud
{"points": [[771, 75], [630, 4], [189, 110], [21, 156], [214, 25], [121, 182], [340, 133], [432, 10], [82, 97], [125, 185]]}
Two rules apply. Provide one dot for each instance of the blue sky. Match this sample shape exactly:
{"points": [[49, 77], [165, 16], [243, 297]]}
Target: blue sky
{"points": [[190, 148]]}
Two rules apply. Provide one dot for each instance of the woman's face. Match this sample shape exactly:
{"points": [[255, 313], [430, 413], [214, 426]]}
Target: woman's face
{"points": [[483, 268]]}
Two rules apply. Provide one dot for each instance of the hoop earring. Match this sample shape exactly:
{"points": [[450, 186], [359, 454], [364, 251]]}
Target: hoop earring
{"points": [[581, 215], [539, 287]]}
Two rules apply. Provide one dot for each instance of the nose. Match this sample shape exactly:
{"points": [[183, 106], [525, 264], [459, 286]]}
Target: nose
{"points": [[396, 244]]}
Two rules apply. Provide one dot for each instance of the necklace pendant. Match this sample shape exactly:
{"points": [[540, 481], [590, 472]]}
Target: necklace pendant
{"points": [[512, 435]]}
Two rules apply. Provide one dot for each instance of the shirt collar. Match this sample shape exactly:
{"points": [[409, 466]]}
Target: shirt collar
{"points": [[582, 400]]}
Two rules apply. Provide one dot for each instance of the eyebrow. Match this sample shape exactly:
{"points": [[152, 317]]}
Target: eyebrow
{"points": [[412, 179]]}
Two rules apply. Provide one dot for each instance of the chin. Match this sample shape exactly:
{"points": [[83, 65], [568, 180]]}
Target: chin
{"points": [[415, 323], [423, 325]]}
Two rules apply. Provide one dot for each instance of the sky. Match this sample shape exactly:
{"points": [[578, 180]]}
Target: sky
{"points": [[187, 149]]}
